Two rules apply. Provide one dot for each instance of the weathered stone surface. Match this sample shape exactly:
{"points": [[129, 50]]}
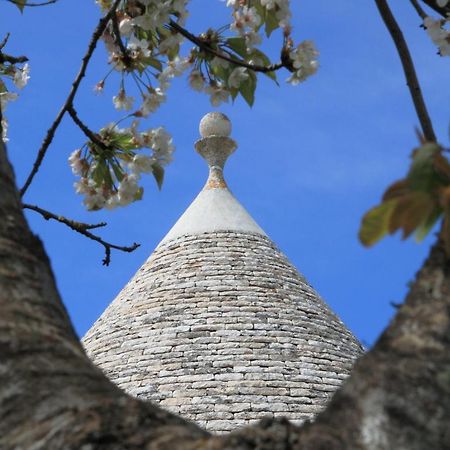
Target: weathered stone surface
{"points": [[222, 329]]}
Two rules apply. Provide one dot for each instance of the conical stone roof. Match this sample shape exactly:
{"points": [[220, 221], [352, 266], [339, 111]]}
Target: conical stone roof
{"points": [[217, 325]]}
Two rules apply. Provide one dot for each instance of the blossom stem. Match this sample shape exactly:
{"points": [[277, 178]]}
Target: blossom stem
{"points": [[408, 68]]}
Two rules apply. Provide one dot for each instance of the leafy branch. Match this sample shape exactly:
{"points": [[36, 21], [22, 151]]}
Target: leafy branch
{"points": [[69, 101], [83, 228], [204, 46]]}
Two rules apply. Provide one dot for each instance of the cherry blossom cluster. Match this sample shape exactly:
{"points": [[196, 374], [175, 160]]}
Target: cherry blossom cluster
{"points": [[110, 173], [304, 62], [12, 75], [145, 51], [437, 32], [143, 41]]}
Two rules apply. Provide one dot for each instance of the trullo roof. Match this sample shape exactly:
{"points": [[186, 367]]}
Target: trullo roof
{"points": [[217, 325]]}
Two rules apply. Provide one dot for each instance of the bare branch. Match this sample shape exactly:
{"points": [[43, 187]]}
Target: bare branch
{"points": [[418, 8], [21, 3], [5, 41], [95, 138], [408, 68], [83, 228], [75, 225], [220, 54], [75, 85]]}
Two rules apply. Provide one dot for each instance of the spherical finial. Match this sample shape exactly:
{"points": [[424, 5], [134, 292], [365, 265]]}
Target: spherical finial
{"points": [[215, 124]]}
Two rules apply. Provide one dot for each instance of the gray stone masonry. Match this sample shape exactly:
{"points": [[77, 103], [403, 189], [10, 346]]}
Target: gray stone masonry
{"points": [[221, 328]]}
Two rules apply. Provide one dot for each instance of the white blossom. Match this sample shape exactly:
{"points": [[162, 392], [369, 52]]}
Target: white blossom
{"points": [[438, 34], [152, 101], [21, 76], [170, 42], [304, 61], [76, 162], [252, 38], [141, 164], [6, 97], [238, 76], [128, 188], [126, 27], [162, 145], [197, 81], [218, 94], [138, 46], [122, 101], [247, 17], [94, 200]]}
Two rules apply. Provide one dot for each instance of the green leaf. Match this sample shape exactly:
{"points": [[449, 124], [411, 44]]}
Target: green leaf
{"points": [[425, 227], [118, 172], [153, 62], [375, 223], [422, 176], [248, 87], [100, 174], [233, 92], [139, 194], [272, 76], [237, 44], [271, 23], [20, 4], [158, 173]]}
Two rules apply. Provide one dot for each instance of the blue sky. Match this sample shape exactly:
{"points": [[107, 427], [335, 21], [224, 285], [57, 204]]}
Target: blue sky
{"points": [[311, 159]]}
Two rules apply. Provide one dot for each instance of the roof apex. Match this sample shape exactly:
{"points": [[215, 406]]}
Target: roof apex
{"points": [[215, 208]]}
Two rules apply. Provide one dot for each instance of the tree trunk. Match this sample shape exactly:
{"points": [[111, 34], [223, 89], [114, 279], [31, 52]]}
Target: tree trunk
{"points": [[52, 397]]}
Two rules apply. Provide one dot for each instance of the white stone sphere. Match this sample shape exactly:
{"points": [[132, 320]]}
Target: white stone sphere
{"points": [[215, 124]]}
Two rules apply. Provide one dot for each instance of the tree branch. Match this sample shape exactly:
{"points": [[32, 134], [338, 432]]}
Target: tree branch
{"points": [[5, 41], [119, 42], [21, 3], [87, 131], [418, 8], [207, 48], [83, 228], [443, 11], [408, 68], [73, 224], [12, 59], [75, 85]]}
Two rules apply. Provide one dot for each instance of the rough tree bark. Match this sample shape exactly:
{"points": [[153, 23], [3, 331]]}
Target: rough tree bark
{"points": [[52, 397]]}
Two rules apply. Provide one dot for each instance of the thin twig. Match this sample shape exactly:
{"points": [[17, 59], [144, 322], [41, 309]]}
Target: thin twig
{"points": [[95, 138], [5, 41], [83, 228], [12, 59], [207, 48], [21, 3], [444, 11], [408, 68], [418, 8], [75, 85], [74, 224], [118, 40]]}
